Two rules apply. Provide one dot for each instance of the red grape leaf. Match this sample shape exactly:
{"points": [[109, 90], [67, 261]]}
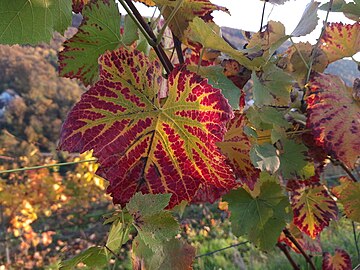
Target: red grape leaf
{"points": [[78, 5], [208, 194], [315, 152], [340, 261], [313, 208], [142, 145], [98, 32], [348, 193], [236, 147], [340, 40], [334, 118]]}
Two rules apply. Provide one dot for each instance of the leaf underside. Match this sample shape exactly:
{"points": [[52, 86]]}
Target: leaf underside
{"points": [[334, 118]]}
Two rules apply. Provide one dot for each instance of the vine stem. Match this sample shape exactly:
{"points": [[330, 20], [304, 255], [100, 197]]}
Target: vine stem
{"points": [[143, 31], [288, 256], [169, 19], [112, 252], [221, 249], [344, 167], [299, 247], [6, 238], [150, 36], [300, 54], [313, 53], [47, 166], [356, 240], [177, 44], [263, 15]]}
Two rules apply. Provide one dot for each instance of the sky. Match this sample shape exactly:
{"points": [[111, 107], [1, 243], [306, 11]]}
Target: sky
{"points": [[246, 15]]}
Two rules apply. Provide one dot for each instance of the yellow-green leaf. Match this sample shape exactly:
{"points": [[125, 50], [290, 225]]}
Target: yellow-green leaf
{"points": [[313, 208], [340, 40]]}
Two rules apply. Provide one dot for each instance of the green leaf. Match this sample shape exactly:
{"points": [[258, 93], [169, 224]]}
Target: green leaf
{"points": [[208, 36], [174, 255], [350, 10], [272, 86], [266, 117], [264, 157], [348, 193], [32, 21], [292, 161], [157, 229], [94, 257], [147, 204], [255, 117], [180, 208], [130, 31], [261, 217], [217, 78], [118, 235], [179, 13], [144, 257], [277, 134], [98, 32]]}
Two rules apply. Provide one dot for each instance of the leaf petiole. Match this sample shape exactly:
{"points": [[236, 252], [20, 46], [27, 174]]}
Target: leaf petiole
{"points": [[172, 15]]}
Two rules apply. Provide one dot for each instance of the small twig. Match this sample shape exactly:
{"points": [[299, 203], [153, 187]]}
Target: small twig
{"points": [[288, 256], [177, 44], [356, 241], [263, 15], [221, 249], [138, 24], [47, 166], [299, 247], [113, 253], [3, 227], [343, 166], [313, 53], [169, 19], [300, 54], [200, 59], [150, 36]]}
